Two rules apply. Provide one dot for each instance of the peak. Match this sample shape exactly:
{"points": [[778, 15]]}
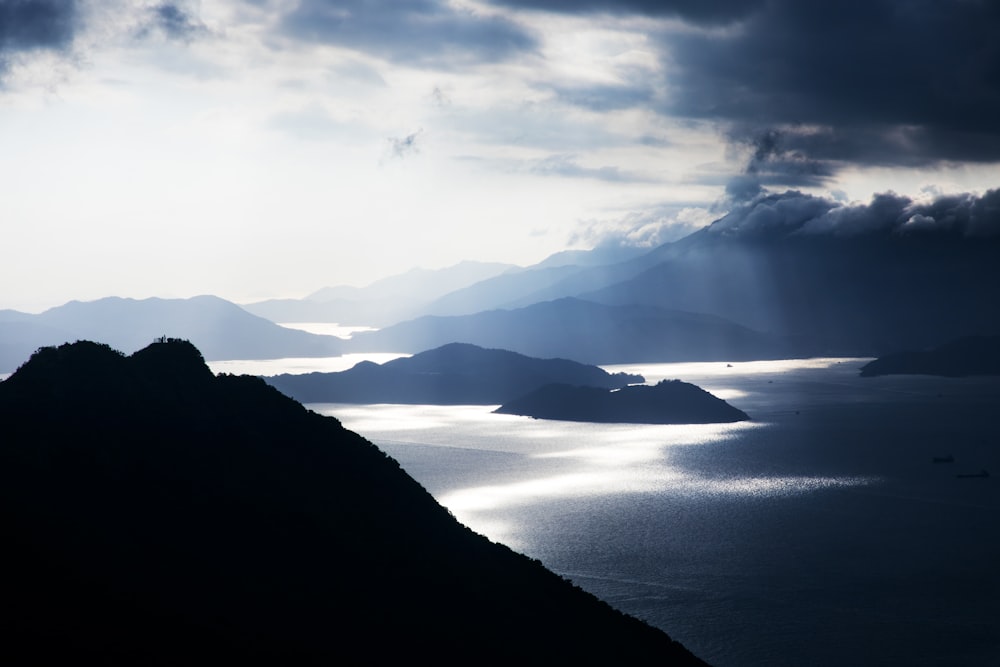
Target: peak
{"points": [[83, 356], [172, 357]]}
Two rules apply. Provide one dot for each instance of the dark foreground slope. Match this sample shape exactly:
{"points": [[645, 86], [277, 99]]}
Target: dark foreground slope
{"points": [[453, 374], [667, 402], [971, 355], [156, 514]]}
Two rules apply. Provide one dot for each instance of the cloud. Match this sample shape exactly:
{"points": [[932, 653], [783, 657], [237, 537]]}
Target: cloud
{"points": [[772, 162], [836, 82], [174, 22], [876, 82], [701, 12], [567, 166], [401, 147], [29, 25], [646, 228], [418, 32], [794, 214], [603, 97]]}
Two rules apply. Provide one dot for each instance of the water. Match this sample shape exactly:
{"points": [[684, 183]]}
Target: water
{"points": [[818, 534]]}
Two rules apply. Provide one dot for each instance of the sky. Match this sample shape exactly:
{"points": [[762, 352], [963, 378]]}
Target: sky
{"points": [[267, 148]]}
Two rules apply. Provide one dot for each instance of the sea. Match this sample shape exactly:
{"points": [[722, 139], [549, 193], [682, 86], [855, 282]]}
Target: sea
{"points": [[852, 521]]}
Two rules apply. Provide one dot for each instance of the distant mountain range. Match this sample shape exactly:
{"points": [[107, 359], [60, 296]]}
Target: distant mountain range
{"points": [[584, 331], [454, 374], [385, 301], [972, 355], [221, 329], [154, 513], [857, 280], [667, 402], [783, 275]]}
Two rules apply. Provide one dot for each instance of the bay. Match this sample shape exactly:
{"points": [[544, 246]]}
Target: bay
{"points": [[819, 533]]}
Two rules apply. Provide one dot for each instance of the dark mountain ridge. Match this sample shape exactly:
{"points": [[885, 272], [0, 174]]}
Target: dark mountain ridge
{"points": [[156, 514], [583, 331], [972, 355], [453, 374]]}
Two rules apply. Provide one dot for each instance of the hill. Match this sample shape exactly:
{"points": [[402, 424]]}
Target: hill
{"points": [[972, 355], [455, 374], [222, 330], [667, 402], [156, 514], [584, 331]]}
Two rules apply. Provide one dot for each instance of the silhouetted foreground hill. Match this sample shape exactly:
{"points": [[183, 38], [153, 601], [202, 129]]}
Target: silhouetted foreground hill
{"points": [[584, 331], [667, 402], [972, 355], [156, 514], [453, 374]]}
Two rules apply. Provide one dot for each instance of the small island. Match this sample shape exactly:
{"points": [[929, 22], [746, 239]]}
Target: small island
{"points": [[972, 355], [453, 374], [667, 402]]}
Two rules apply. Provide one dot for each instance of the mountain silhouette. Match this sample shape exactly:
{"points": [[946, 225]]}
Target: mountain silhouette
{"points": [[667, 402], [156, 514], [222, 330], [583, 331], [386, 301], [833, 279], [454, 374], [971, 355]]}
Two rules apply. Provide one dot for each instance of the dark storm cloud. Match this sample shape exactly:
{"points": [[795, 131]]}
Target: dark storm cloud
{"points": [[26, 25], [773, 162], [877, 82], [704, 12], [419, 32], [867, 82], [796, 214]]}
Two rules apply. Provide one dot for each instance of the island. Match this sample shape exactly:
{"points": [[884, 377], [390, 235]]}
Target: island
{"points": [[453, 374], [968, 356], [157, 514], [667, 402]]}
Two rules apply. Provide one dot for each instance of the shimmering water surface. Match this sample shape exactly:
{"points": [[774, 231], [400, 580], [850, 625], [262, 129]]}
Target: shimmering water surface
{"points": [[820, 533]]}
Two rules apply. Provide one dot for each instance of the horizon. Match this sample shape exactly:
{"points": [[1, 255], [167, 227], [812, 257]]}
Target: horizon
{"points": [[267, 150]]}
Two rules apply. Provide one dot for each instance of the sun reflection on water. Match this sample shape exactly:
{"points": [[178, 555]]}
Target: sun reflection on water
{"points": [[555, 460]]}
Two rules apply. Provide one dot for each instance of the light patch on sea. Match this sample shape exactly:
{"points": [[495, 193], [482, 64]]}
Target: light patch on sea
{"points": [[300, 365], [326, 328], [820, 533], [523, 461]]}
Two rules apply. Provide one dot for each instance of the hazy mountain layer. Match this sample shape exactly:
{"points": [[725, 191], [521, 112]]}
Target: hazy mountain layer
{"points": [[222, 329], [974, 355], [156, 514], [455, 374], [583, 331], [667, 402], [385, 301]]}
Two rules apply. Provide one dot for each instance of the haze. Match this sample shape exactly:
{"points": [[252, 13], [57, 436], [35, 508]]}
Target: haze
{"points": [[270, 148]]}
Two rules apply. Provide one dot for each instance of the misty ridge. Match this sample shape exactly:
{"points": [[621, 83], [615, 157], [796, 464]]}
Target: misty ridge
{"points": [[780, 275]]}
